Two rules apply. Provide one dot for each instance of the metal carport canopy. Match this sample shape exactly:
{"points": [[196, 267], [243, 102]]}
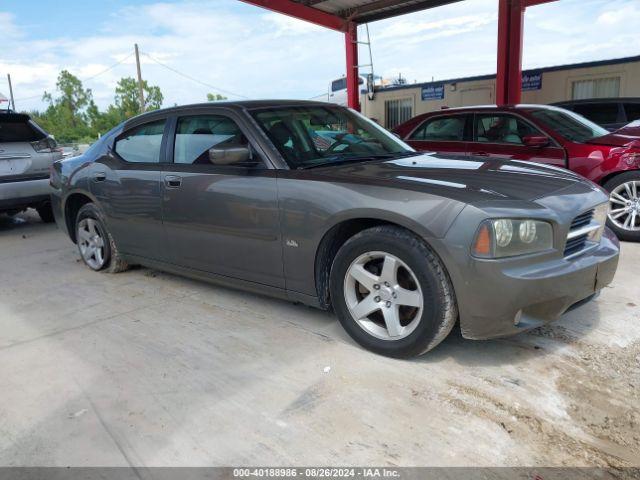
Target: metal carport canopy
{"points": [[358, 11], [346, 15]]}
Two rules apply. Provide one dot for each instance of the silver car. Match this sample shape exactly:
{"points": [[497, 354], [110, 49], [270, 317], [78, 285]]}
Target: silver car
{"points": [[26, 155], [314, 203]]}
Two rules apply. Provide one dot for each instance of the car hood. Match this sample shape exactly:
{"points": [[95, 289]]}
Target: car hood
{"points": [[468, 179]]}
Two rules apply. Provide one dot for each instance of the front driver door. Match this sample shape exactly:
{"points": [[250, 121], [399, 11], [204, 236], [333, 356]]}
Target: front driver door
{"points": [[220, 219], [502, 136]]}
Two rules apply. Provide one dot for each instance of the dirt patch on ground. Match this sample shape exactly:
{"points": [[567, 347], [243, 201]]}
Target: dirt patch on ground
{"points": [[594, 383]]}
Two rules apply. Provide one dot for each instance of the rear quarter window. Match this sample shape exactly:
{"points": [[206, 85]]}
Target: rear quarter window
{"points": [[142, 144], [441, 129]]}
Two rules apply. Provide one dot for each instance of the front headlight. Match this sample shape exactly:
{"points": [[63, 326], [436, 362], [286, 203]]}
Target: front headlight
{"points": [[506, 237]]}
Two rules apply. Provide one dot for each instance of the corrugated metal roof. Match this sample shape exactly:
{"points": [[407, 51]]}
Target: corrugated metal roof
{"points": [[362, 11]]}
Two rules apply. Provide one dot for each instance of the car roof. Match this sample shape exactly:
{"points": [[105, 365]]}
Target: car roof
{"points": [[501, 108], [600, 100], [232, 105]]}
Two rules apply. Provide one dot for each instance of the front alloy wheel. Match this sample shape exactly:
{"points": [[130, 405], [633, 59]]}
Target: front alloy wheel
{"points": [[391, 292], [624, 211], [383, 295]]}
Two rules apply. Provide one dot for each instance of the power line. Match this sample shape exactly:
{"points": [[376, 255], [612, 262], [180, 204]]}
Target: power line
{"points": [[86, 79], [108, 68], [213, 87]]}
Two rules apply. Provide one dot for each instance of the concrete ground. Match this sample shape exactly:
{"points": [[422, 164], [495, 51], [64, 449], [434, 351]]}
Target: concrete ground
{"points": [[148, 369]]}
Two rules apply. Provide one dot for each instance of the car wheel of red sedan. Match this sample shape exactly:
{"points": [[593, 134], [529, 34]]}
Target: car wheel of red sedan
{"points": [[624, 211]]}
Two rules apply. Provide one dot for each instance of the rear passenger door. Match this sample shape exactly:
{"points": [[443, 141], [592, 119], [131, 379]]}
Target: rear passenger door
{"points": [[443, 133], [126, 183], [221, 219], [502, 135]]}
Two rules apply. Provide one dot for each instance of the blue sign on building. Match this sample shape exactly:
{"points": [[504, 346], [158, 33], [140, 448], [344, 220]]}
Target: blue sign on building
{"points": [[433, 92], [531, 81]]}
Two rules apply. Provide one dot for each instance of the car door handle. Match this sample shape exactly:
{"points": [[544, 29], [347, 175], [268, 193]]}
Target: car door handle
{"points": [[173, 181], [100, 176], [481, 154]]}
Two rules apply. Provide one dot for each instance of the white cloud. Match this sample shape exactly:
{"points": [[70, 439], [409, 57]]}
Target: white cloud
{"points": [[262, 54]]}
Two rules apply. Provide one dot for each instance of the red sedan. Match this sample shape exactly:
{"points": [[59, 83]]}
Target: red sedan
{"points": [[542, 134]]}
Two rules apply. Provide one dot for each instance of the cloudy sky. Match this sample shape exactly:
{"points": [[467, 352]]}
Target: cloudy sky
{"points": [[244, 51]]}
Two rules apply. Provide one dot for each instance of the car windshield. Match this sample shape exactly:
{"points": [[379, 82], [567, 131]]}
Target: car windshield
{"points": [[570, 125], [311, 136]]}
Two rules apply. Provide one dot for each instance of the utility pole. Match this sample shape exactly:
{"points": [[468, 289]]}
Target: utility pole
{"points": [[140, 91], [13, 102]]}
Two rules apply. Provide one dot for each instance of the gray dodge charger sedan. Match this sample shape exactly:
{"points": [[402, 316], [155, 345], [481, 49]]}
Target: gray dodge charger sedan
{"points": [[314, 203]]}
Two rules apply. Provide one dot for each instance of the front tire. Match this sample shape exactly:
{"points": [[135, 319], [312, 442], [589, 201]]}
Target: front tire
{"points": [[95, 244], [624, 205], [391, 292]]}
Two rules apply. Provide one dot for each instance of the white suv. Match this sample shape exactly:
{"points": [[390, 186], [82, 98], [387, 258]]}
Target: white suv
{"points": [[26, 154]]}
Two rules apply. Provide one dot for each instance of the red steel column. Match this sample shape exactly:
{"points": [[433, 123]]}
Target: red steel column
{"points": [[510, 37], [351, 46]]}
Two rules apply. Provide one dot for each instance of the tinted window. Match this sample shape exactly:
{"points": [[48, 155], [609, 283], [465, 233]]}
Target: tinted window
{"points": [[142, 144], [600, 113], [503, 129], [311, 136], [633, 111], [195, 136], [441, 129], [17, 130], [338, 85]]}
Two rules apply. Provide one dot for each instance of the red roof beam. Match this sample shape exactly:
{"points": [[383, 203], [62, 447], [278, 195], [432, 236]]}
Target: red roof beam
{"points": [[533, 3], [302, 12]]}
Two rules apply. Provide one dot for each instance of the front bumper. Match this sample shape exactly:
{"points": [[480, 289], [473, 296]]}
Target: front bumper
{"points": [[500, 299], [22, 194]]}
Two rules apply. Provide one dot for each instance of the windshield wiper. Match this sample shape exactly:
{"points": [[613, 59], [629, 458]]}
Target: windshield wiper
{"points": [[359, 159]]}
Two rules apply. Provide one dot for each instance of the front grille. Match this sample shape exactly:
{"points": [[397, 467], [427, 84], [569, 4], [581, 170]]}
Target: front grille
{"points": [[582, 220], [575, 245], [576, 242]]}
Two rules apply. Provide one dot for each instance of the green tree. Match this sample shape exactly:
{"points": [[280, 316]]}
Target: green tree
{"points": [[215, 97], [127, 99], [73, 116], [102, 122], [66, 116]]}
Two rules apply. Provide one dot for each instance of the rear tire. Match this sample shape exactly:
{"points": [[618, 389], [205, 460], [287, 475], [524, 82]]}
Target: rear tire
{"points": [[624, 205], [95, 243], [399, 289], [46, 213]]}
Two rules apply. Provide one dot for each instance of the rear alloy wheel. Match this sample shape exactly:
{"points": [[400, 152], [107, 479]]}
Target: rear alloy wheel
{"points": [[624, 205], [91, 242], [95, 243], [392, 293]]}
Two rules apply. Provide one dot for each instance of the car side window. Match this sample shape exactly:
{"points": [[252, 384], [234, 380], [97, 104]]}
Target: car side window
{"points": [[141, 144], [197, 135], [441, 129], [600, 113], [503, 129], [633, 111]]}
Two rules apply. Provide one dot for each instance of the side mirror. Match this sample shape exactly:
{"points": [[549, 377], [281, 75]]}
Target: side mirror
{"points": [[535, 141], [230, 155]]}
